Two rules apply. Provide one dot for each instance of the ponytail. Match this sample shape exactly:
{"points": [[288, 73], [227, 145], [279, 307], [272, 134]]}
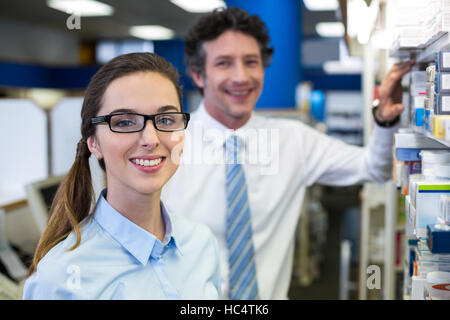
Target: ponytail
{"points": [[72, 203]]}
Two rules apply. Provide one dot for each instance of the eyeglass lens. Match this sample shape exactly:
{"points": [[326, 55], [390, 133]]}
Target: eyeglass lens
{"points": [[134, 122]]}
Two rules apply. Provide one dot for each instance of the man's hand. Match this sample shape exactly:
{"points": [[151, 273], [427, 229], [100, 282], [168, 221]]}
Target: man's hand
{"points": [[390, 92]]}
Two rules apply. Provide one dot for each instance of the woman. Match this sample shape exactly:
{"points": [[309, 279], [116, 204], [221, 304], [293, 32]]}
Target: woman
{"points": [[129, 247]]}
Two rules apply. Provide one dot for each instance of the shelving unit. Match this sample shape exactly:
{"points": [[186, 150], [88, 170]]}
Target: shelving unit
{"points": [[420, 139]]}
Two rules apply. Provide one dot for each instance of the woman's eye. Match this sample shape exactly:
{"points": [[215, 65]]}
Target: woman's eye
{"points": [[124, 123], [165, 121]]}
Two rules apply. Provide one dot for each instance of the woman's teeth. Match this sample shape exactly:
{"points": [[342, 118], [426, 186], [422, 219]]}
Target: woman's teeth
{"points": [[147, 163]]}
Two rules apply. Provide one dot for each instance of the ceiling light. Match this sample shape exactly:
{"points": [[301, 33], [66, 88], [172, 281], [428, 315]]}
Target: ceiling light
{"points": [[321, 5], [152, 32], [199, 6], [82, 8], [330, 29]]}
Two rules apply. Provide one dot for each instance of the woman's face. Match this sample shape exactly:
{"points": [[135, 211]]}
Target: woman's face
{"points": [[146, 93]]}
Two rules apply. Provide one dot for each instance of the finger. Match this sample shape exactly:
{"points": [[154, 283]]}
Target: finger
{"points": [[399, 108], [394, 78]]}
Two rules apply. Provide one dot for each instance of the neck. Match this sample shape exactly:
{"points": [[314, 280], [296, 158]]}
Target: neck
{"points": [[142, 209], [229, 121]]}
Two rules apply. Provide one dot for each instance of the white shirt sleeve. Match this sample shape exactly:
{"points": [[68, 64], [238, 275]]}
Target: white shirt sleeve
{"points": [[330, 161]]}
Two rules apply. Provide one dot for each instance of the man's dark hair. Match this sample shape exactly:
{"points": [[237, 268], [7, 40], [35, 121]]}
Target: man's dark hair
{"points": [[212, 25]]}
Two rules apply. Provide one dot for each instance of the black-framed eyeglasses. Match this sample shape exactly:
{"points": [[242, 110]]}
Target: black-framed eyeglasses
{"points": [[127, 122]]}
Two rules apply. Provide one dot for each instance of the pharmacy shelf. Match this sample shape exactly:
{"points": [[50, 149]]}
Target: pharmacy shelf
{"points": [[440, 42], [444, 142], [427, 135], [424, 53], [418, 140]]}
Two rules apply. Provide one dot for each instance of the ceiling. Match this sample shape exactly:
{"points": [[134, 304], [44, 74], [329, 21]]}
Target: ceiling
{"points": [[127, 13]]}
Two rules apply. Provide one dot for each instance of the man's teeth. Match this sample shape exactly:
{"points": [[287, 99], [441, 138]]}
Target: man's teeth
{"points": [[239, 93], [147, 163]]}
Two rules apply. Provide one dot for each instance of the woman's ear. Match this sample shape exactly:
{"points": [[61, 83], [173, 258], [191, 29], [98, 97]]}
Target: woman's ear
{"points": [[94, 147]]}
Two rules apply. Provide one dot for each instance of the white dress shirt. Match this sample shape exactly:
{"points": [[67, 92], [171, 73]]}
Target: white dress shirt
{"points": [[281, 158]]}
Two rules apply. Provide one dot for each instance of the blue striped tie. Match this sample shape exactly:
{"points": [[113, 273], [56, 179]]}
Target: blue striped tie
{"points": [[242, 277]]}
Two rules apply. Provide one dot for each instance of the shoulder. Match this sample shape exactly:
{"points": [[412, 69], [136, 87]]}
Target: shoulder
{"points": [[58, 272], [192, 234], [53, 279], [284, 123]]}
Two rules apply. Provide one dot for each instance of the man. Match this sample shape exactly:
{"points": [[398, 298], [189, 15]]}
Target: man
{"points": [[251, 197]]}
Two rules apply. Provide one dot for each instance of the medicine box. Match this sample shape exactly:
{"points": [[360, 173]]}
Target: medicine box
{"points": [[442, 61], [438, 238], [442, 82], [427, 201], [438, 127], [430, 71], [445, 209], [442, 103]]}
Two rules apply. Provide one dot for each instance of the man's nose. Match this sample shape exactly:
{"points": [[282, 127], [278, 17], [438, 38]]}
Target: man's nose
{"points": [[240, 72]]}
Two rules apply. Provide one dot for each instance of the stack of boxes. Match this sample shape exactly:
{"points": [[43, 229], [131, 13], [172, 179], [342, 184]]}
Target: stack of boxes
{"points": [[418, 22], [438, 94], [408, 30], [428, 225]]}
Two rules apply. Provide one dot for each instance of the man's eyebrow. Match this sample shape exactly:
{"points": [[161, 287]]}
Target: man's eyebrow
{"points": [[160, 109], [251, 55]]}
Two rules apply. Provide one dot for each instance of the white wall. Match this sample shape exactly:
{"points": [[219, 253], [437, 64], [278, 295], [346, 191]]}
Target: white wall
{"points": [[23, 145]]}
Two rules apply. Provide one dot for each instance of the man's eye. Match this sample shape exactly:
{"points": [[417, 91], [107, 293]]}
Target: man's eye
{"points": [[222, 63]]}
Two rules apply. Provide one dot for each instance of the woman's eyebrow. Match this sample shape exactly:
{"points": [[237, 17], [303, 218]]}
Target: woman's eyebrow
{"points": [[122, 110], [167, 108], [159, 110]]}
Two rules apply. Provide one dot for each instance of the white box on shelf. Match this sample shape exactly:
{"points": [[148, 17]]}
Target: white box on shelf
{"points": [[442, 82], [445, 209], [418, 288], [427, 201]]}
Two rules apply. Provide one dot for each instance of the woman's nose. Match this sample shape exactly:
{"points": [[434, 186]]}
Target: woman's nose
{"points": [[149, 136]]}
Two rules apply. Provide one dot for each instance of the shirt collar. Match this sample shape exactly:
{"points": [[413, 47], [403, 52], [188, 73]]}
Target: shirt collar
{"points": [[137, 241], [207, 122]]}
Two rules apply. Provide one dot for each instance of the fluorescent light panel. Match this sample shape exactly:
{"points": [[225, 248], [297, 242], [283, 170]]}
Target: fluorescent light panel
{"points": [[82, 8], [152, 32], [330, 29], [321, 5], [199, 6]]}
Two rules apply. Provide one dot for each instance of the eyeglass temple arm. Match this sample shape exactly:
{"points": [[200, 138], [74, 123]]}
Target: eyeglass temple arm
{"points": [[98, 119]]}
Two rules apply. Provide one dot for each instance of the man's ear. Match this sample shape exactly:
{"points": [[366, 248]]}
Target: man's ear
{"points": [[94, 147], [198, 78]]}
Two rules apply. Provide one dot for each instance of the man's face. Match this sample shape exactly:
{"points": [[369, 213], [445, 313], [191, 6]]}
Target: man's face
{"points": [[233, 79]]}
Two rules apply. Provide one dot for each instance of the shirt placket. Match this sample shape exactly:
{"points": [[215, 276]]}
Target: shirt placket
{"points": [[157, 262]]}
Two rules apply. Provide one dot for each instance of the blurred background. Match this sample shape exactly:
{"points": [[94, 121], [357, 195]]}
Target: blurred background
{"points": [[329, 55]]}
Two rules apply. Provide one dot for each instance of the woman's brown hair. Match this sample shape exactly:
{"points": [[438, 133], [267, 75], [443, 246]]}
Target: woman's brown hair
{"points": [[74, 198]]}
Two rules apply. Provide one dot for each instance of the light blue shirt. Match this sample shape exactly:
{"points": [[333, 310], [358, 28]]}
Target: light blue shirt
{"points": [[117, 259]]}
